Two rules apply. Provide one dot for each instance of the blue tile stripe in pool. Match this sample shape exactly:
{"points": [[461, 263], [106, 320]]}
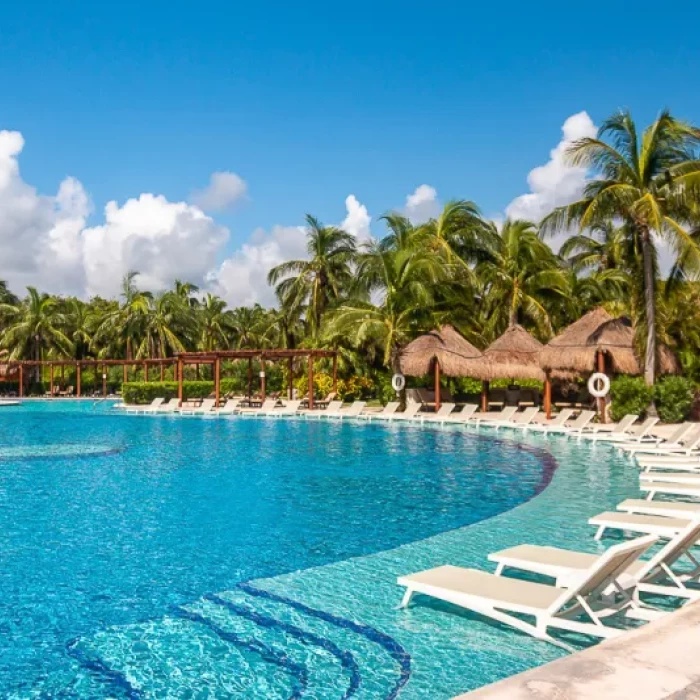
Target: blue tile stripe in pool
{"points": [[396, 651], [347, 660], [96, 666], [299, 673]]}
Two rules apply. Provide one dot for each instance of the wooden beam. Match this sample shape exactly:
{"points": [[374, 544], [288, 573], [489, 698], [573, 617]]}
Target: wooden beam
{"points": [[484, 397], [217, 381], [311, 382], [437, 385], [548, 395], [51, 381], [162, 372], [263, 384], [179, 382], [125, 374], [601, 401], [21, 381], [290, 379], [77, 378], [145, 371], [250, 377]]}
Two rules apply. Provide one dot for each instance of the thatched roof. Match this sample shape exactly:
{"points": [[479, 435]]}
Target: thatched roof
{"points": [[515, 355], [457, 356], [576, 347]]}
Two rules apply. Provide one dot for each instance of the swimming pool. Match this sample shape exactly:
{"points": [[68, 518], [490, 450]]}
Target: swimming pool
{"points": [[147, 556]]}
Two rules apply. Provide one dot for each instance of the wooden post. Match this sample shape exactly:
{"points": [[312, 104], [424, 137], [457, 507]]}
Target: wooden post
{"points": [[63, 376], [263, 384], [145, 371], [125, 373], [311, 382], [290, 379], [51, 380], [21, 381], [437, 385], [77, 378], [217, 381], [484, 397], [250, 377], [548, 395], [179, 381], [162, 372], [335, 373], [104, 381], [196, 370], [601, 401]]}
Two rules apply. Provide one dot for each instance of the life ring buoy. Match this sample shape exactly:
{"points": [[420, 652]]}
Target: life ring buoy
{"points": [[598, 385], [398, 382]]}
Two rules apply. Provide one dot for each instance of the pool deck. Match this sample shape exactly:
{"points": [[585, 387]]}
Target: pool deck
{"points": [[659, 660]]}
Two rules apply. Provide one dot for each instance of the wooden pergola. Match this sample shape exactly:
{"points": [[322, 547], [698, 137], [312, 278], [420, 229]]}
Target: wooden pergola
{"points": [[215, 357], [78, 365]]}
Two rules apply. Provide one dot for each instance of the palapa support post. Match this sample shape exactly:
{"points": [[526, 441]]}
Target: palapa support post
{"points": [[335, 373], [548, 396], [145, 371], [51, 380], [125, 373], [437, 385], [179, 382], [263, 386], [311, 382], [290, 379], [196, 371], [217, 381], [77, 378], [600, 357], [484, 396], [21, 381]]}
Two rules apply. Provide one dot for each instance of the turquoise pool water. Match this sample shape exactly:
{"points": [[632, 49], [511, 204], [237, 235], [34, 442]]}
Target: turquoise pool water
{"points": [[159, 557]]}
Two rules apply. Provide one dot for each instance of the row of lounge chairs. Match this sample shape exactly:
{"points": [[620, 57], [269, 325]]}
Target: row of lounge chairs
{"points": [[597, 595]]}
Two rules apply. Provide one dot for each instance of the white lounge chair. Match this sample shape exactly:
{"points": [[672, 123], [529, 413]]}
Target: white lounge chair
{"points": [[385, 413], [289, 409], [439, 416], [331, 408], [410, 412], [577, 426], [658, 525], [153, 406], [229, 408], [669, 509], [634, 436], [505, 599], [501, 416], [463, 416], [652, 576], [622, 427], [173, 406], [679, 446], [267, 406], [653, 488], [353, 411], [520, 420], [204, 409], [546, 424], [667, 461]]}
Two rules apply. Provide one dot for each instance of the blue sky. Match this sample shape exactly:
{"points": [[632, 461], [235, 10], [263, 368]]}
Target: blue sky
{"points": [[312, 102]]}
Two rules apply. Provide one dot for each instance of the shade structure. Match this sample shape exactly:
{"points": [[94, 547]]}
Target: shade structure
{"points": [[514, 355], [576, 349], [456, 355]]}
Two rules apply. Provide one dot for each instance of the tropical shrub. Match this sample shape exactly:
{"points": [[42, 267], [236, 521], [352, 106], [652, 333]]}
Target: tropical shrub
{"points": [[673, 397], [629, 395], [353, 388]]}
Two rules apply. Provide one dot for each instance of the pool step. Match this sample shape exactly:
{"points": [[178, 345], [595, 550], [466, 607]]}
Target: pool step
{"points": [[186, 655]]}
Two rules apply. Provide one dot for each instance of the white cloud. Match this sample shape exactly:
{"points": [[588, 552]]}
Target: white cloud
{"points": [[357, 220], [223, 191], [555, 183], [422, 205], [163, 240], [242, 278]]}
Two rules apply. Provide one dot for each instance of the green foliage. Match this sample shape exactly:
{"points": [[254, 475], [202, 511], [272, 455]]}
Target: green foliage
{"points": [[629, 395], [673, 397], [353, 388]]}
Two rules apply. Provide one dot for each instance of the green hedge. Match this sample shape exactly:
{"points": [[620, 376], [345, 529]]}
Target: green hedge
{"points": [[629, 395], [673, 397]]}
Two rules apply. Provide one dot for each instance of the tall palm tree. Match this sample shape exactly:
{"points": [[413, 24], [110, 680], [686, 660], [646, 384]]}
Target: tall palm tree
{"points": [[322, 279], [216, 323], [245, 323], [160, 326], [649, 182], [520, 277]]}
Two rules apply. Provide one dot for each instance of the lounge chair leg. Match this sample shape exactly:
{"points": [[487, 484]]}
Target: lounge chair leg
{"points": [[406, 599], [600, 532], [499, 568]]}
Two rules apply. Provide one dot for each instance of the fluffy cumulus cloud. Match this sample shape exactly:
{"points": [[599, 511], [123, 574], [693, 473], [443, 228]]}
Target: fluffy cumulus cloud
{"points": [[242, 278], [224, 190], [357, 220], [555, 183], [422, 204]]}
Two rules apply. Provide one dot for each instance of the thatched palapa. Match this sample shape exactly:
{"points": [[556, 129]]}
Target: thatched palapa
{"points": [[514, 355], [456, 355], [576, 348]]}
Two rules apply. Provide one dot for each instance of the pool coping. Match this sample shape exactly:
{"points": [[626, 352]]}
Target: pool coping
{"points": [[653, 662]]}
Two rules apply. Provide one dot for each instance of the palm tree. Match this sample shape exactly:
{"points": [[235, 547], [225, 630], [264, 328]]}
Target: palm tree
{"points": [[649, 183], [521, 275], [323, 279], [35, 327], [216, 323], [160, 326], [245, 324]]}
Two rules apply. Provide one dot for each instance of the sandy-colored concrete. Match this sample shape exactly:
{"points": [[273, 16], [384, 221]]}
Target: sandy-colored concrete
{"points": [[659, 660]]}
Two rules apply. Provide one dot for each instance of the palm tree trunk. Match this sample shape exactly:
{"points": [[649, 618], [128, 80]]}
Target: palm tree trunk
{"points": [[650, 309]]}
